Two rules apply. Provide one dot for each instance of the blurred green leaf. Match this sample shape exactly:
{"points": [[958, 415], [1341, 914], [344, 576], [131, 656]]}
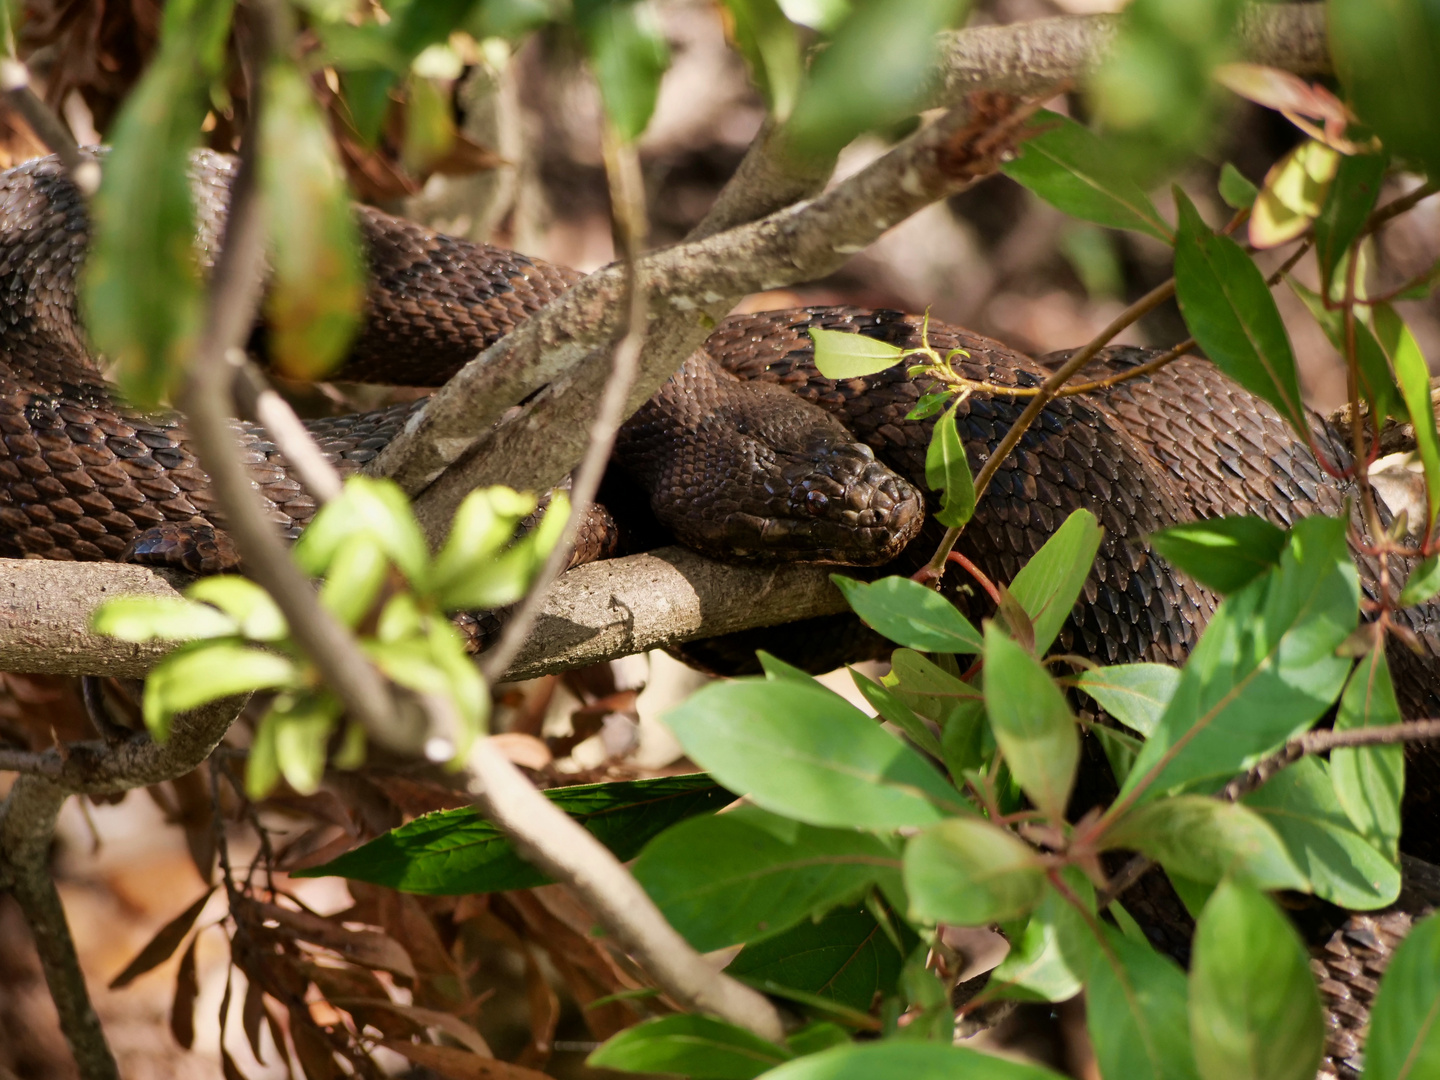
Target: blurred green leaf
{"points": [[1352, 197], [1370, 780], [207, 671], [312, 305], [162, 618], [1205, 839], [1423, 583], [1238, 192], [909, 614], [429, 124], [1074, 170], [374, 508], [1229, 309], [770, 45], [1032, 723], [806, 753], [967, 872], [1404, 1040], [746, 875], [357, 573], [1224, 553], [1135, 1010], [1300, 804], [1134, 694], [258, 616], [1293, 194], [1264, 670], [844, 958], [947, 470], [1254, 1009], [841, 355], [966, 740], [628, 55], [1414, 375], [693, 1045], [456, 852], [1048, 586], [1037, 968], [900, 1060], [1387, 55], [471, 575], [303, 725], [1121, 750]]}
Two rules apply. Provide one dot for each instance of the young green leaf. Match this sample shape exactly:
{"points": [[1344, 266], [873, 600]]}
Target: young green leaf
{"points": [[1071, 168], [205, 672], [842, 355], [1370, 780], [1293, 194], [746, 875], [1264, 670], [894, 710], [1238, 192], [1038, 967], [1224, 553], [1229, 309], [357, 573], [1207, 840], [947, 470], [160, 618], [1135, 1011], [1387, 56], [1254, 1009], [1032, 723], [1352, 197], [457, 852], [902, 1060], [376, 508], [1404, 1042], [909, 614], [1423, 583], [804, 752], [628, 55], [312, 306], [1049, 584], [1135, 694], [303, 724], [1299, 803], [1414, 375], [967, 872], [258, 616], [692, 1045]]}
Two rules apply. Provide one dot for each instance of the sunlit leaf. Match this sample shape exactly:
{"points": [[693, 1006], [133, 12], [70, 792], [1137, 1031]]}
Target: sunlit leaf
{"points": [[162, 618], [1370, 780], [1031, 721], [628, 55], [258, 616], [947, 470], [1224, 553], [901, 1060], [1377, 383], [841, 355], [205, 672], [1048, 586], [1294, 191], [1134, 694], [891, 708], [909, 614], [693, 1045]]}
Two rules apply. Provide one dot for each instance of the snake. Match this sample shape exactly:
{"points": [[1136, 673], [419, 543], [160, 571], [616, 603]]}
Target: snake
{"points": [[748, 453]]}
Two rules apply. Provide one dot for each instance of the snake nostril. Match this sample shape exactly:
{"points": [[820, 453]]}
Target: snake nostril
{"points": [[817, 502]]}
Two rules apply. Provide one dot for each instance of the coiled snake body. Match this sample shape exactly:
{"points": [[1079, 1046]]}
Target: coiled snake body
{"points": [[748, 452]]}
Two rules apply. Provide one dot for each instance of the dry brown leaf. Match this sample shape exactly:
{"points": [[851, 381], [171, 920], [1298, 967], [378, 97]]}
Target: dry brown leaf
{"points": [[524, 750], [250, 1016], [370, 948], [312, 1049], [544, 1014], [458, 1064], [451, 1025], [187, 987], [163, 944]]}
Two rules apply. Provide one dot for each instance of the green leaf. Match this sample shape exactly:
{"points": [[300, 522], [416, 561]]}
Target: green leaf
{"points": [[928, 406], [899, 1060], [1414, 375], [628, 55], [374, 508], [1238, 192], [484, 523], [1404, 1041], [473, 574], [1048, 586], [909, 614], [160, 618], [1387, 55], [1037, 967], [947, 470], [1352, 197], [745, 875], [312, 305], [1071, 168], [198, 674], [1300, 804], [1377, 384], [1134, 694], [1293, 194], [845, 959], [968, 872], [1032, 723], [1254, 1009], [1121, 750], [1264, 670], [894, 710], [1223, 553], [1207, 840], [1423, 583], [1370, 780], [966, 740], [1135, 1010], [806, 753], [696, 1046], [927, 687], [303, 725], [816, 1036], [1229, 309], [776, 669], [256, 612], [357, 573], [873, 73], [456, 852], [770, 45], [842, 355]]}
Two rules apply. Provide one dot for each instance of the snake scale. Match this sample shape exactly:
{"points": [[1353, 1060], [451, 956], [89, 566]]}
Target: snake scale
{"points": [[747, 453]]}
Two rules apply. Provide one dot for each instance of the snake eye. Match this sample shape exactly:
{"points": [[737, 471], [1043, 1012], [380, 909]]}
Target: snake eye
{"points": [[816, 502]]}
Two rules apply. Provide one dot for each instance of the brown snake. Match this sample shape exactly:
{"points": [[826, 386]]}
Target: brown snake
{"points": [[731, 462]]}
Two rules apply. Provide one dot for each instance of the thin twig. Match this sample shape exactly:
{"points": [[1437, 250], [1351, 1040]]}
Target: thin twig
{"points": [[258, 399], [15, 82], [627, 194], [1320, 742]]}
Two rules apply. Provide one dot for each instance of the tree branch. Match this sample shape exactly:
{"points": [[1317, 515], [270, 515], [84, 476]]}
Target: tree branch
{"points": [[1323, 741], [20, 95]]}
